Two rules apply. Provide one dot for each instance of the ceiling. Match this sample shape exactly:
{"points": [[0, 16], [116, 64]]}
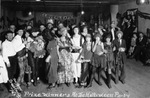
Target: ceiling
{"points": [[60, 5]]}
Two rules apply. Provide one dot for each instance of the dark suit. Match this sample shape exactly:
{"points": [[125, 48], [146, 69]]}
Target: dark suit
{"points": [[139, 49], [115, 36], [120, 59]]}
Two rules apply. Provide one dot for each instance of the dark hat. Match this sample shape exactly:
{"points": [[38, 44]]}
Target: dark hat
{"points": [[88, 35], [108, 36], [7, 32], [97, 35]]}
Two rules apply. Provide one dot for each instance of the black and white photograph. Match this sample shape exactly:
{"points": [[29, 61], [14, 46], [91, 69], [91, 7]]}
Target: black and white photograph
{"points": [[75, 48]]}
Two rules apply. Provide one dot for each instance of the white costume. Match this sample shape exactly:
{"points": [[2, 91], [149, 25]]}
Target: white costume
{"points": [[3, 71]]}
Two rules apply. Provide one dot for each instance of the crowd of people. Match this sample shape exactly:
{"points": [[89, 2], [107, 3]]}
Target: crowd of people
{"points": [[65, 54]]}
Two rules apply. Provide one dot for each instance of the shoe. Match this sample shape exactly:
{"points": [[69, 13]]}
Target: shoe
{"points": [[68, 84], [109, 80], [100, 83], [35, 83], [122, 81], [88, 86]]}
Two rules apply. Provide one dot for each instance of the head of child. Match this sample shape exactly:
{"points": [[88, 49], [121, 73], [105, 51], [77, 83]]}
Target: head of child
{"points": [[97, 37], [119, 34], [108, 38], [88, 38], [27, 34], [134, 35]]}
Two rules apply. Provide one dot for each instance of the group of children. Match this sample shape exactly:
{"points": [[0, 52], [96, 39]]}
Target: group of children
{"points": [[67, 59]]}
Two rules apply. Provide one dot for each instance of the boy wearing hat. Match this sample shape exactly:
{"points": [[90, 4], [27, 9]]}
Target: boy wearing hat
{"points": [[120, 57]]}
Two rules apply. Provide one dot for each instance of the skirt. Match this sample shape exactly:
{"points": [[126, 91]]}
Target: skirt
{"points": [[98, 61]]}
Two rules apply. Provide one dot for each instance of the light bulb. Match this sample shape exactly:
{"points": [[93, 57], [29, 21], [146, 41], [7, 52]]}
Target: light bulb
{"points": [[82, 12], [30, 13], [142, 1]]}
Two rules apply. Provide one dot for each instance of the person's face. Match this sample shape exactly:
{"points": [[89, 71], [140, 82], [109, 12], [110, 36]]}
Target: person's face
{"points": [[85, 30], [64, 33], [134, 35], [141, 35], [119, 35], [50, 26], [76, 30], [88, 39], [12, 28], [108, 39], [113, 25], [42, 27], [60, 25], [9, 36], [27, 34], [97, 38], [20, 32], [29, 27]]}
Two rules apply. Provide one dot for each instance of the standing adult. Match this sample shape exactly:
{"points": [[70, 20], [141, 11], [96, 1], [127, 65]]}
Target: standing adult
{"points": [[65, 70], [76, 41], [9, 55], [52, 62]]}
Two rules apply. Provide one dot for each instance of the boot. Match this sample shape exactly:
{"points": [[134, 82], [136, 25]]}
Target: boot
{"points": [[90, 83], [99, 77], [117, 75], [109, 80]]}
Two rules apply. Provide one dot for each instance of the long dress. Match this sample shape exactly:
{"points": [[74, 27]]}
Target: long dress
{"points": [[3, 71], [65, 70], [76, 65], [52, 66], [109, 56]]}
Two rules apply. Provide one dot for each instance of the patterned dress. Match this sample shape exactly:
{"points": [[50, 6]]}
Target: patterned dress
{"points": [[65, 72]]}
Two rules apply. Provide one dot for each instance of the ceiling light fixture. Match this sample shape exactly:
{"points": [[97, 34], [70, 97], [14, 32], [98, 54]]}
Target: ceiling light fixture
{"points": [[82, 12], [38, 0], [142, 2]]}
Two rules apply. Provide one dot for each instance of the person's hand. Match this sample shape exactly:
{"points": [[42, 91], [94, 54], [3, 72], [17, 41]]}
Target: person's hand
{"points": [[105, 51], [48, 59], [96, 42], [114, 48], [121, 49], [8, 65]]}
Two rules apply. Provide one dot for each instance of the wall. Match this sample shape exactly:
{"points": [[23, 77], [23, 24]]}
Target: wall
{"points": [[143, 24]]}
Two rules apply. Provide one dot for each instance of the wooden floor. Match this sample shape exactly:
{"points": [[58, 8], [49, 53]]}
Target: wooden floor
{"points": [[137, 86]]}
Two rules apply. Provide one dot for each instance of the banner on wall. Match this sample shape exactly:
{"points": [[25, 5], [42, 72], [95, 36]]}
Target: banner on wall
{"points": [[58, 17]]}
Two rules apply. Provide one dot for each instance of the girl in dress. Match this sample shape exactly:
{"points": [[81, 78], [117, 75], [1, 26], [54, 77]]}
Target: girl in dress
{"points": [[76, 50], [85, 58], [98, 60], [108, 46], [65, 72]]}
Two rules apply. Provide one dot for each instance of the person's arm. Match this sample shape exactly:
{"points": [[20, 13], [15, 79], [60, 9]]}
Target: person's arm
{"points": [[94, 46]]}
